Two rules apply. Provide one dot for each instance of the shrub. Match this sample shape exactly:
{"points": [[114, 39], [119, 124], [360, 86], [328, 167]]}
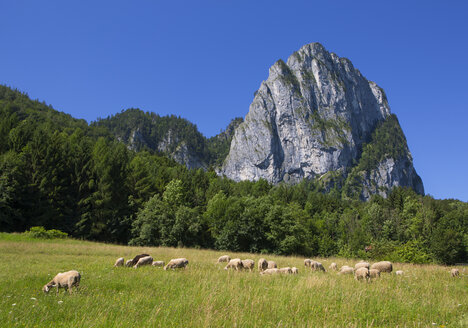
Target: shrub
{"points": [[412, 252], [42, 233]]}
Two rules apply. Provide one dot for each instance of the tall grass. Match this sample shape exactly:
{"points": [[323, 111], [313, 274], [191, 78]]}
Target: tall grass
{"points": [[205, 295]]}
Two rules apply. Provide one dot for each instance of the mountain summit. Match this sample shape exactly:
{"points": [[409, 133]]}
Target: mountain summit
{"points": [[315, 116]]}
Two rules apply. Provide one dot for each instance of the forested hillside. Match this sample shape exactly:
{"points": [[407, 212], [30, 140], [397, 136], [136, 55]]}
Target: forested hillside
{"points": [[58, 172], [169, 135]]}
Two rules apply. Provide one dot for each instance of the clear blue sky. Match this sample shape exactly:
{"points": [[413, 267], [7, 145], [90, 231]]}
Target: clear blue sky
{"points": [[203, 60]]}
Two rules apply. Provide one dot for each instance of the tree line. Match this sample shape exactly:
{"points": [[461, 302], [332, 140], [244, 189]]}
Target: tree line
{"points": [[61, 173]]}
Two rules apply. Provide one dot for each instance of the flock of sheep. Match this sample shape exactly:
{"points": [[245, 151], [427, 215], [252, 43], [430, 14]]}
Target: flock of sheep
{"points": [[145, 259], [362, 270]]}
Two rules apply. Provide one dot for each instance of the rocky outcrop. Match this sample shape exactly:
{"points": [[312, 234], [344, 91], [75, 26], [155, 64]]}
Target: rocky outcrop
{"points": [[312, 116], [388, 174]]}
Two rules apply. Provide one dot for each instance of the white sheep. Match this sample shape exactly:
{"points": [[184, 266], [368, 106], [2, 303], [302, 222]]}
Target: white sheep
{"points": [[286, 270], [129, 263], [224, 258], [346, 270], [158, 263], [374, 273], [147, 260], [177, 263], [235, 264], [316, 266], [119, 262], [307, 262], [333, 266], [455, 272], [64, 280], [384, 266], [262, 264], [272, 265], [294, 270], [399, 273], [361, 273], [362, 264], [248, 264], [270, 271]]}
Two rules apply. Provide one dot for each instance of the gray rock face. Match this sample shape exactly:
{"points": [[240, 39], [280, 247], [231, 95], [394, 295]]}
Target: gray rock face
{"points": [[181, 154], [310, 116], [391, 173]]}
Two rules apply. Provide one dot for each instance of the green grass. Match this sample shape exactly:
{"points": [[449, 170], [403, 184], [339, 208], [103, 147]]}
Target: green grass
{"points": [[205, 295]]}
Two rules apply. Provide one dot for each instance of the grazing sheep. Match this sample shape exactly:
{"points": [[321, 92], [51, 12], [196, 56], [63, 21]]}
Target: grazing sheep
{"points": [[361, 273], [286, 270], [346, 270], [128, 263], [137, 258], [235, 264], [317, 266], [119, 262], [64, 280], [294, 270], [270, 271], [455, 272], [333, 266], [147, 260], [177, 263], [158, 263], [384, 266], [307, 262], [272, 265], [399, 273], [248, 264], [362, 264], [262, 264], [374, 273], [224, 258]]}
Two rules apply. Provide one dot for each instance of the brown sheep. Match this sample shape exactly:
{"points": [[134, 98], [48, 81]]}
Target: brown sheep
{"points": [[361, 273], [177, 263], [262, 264], [455, 272], [384, 266], [224, 258], [235, 264], [272, 265], [374, 273], [248, 264], [64, 280]]}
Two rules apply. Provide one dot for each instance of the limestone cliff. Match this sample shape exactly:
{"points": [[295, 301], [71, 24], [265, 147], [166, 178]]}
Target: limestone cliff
{"points": [[312, 116]]}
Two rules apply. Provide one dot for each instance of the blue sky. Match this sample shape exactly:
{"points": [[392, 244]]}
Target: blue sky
{"points": [[203, 60]]}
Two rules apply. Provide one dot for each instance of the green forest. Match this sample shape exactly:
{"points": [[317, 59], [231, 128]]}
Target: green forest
{"points": [[61, 173]]}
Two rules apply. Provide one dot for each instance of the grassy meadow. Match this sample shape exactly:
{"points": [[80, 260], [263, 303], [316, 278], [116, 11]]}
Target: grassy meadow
{"points": [[205, 295]]}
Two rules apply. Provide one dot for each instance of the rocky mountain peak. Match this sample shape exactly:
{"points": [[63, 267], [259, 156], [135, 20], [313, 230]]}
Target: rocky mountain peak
{"points": [[311, 116]]}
